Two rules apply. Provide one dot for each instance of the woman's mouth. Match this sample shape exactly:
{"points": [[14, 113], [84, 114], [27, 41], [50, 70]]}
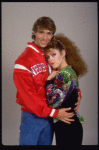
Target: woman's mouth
{"points": [[52, 64]]}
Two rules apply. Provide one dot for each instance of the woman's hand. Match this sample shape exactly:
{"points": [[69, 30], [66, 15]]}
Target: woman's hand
{"points": [[52, 75], [78, 103], [65, 116]]}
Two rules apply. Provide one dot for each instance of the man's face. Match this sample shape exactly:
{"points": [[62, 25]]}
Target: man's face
{"points": [[43, 37]]}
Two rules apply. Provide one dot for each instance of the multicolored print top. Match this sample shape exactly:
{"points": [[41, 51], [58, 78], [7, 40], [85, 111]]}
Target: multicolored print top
{"points": [[61, 87], [62, 92]]}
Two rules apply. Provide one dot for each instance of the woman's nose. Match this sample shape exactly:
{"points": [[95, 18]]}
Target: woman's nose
{"points": [[50, 59]]}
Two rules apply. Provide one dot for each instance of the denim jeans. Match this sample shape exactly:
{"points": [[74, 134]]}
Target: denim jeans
{"points": [[35, 130]]}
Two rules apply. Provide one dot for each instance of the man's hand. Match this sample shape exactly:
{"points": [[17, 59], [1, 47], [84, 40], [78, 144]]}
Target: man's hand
{"points": [[65, 116], [78, 103]]}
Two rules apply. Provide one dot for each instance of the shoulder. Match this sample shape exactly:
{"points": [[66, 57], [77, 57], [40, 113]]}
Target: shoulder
{"points": [[30, 50], [70, 71], [34, 47], [67, 74]]}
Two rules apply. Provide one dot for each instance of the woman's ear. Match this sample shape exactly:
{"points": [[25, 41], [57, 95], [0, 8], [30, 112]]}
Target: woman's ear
{"points": [[63, 53]]}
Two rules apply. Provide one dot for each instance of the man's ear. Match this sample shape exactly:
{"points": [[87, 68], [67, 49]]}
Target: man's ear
{"points": [[34, 32]]}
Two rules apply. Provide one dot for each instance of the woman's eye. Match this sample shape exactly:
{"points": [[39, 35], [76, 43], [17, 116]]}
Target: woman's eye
{"points": [[53, 54]]}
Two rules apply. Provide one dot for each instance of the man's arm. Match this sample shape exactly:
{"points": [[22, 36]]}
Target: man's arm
{"points": [[31, 100], [27, 93]]}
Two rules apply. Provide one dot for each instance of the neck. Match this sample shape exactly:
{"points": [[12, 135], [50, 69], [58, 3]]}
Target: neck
{"points": [[63, 65], [39, 47]]}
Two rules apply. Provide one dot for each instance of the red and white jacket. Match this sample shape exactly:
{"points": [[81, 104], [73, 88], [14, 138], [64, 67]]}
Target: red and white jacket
{"points": [[30, 74]]}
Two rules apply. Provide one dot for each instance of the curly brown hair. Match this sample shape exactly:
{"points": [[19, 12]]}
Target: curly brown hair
{"points": [[73, 56]]}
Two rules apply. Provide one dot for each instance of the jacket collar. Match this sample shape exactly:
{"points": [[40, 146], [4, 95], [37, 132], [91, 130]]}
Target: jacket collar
{"points": [[34, 47]]}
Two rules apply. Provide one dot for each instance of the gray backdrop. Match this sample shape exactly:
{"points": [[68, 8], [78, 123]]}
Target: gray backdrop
{"points": [[78, 21]]}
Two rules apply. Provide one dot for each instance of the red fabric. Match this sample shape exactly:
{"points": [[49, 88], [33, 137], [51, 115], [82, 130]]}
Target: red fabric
{"points": [[79, 91]]}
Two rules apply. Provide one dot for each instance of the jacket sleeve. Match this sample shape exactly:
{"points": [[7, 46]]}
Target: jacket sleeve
{"points": [[29, 96], [79, 91]]}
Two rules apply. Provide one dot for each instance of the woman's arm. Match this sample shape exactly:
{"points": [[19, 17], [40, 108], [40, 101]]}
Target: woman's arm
{"points": [[57, 91], [53, 75], [63, 114], [79, 99]]}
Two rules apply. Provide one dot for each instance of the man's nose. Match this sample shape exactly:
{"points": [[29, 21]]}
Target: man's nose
{"points": [[45, 36]]}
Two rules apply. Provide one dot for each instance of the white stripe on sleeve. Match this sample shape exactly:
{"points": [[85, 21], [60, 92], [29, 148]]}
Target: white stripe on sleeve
{"points": [[51, 114], [18, 66]]}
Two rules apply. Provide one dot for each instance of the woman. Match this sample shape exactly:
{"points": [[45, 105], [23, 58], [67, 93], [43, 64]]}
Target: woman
{"points": [[62, 86]]}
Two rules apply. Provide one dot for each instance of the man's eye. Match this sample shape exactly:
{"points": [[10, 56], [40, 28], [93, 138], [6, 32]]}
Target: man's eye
{"points": [[40, 31], [49, 33]]}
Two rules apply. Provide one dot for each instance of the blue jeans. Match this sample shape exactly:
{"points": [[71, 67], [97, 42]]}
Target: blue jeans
{"points": [[35, 130]]}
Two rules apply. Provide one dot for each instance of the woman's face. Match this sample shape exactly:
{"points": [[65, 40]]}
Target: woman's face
{"points": [[55, 58]]}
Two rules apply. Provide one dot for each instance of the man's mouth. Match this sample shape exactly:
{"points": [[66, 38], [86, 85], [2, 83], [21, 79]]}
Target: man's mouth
{"points": [[44, 43]]}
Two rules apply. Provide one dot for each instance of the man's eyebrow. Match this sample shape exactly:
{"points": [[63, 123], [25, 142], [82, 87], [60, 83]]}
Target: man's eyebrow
{"points": [[50, 32], [41, 30]]}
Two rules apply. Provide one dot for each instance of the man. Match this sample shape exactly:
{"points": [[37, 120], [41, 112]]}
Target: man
{"points": [[30, 74]]}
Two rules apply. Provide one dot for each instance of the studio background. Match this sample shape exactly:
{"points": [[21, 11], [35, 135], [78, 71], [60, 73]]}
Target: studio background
{"points": [[79, 22]]}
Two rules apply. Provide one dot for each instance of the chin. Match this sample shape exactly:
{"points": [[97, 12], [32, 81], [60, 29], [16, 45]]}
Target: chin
{"points": [[43, 45], [54, 67]]}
